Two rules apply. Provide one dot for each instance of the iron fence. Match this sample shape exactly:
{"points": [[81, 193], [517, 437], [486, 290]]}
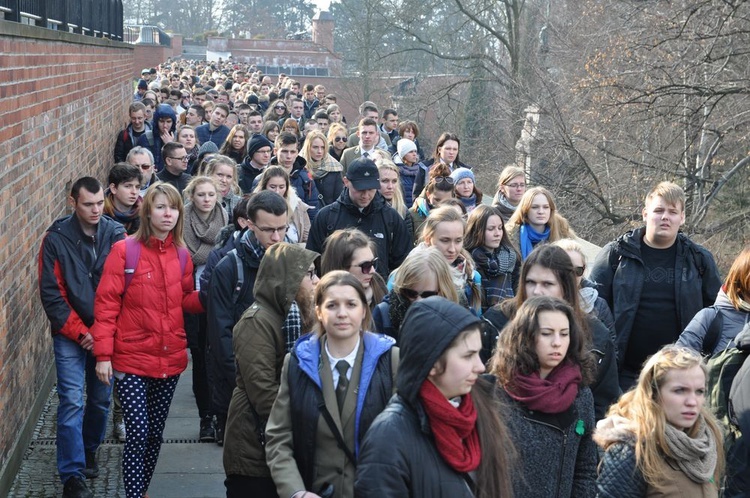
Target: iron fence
{"points": [[99, 18]]}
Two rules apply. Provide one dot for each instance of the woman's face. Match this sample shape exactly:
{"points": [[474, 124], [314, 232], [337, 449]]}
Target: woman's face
{"points": [[277, 184], [462, 367], [577, 259], [317, 149], [204, 197], [341, 312], [493, 232], [539, 212], [163, 217], [682, 396], [388, 183], [514, 189], [426, 286], [448, 151], [239, 140], [362, 255], [465, 187], [449, 239], [279, 108], [552, 340], [339, 141], [334, 116], [273, 134], [224, 174], [187, 138], [541, 281], [409, 133]]}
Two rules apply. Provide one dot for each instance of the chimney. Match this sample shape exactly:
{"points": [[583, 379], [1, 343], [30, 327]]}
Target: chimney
{"points": [[322, 29]]}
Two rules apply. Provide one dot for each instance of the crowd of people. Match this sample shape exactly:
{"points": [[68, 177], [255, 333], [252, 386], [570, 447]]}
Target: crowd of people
{"points": [[361, 323]]}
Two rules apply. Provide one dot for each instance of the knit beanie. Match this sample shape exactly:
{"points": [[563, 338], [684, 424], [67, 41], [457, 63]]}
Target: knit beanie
{"points": [[461, 173], [257, 142], [404, 146], [208, 148]]}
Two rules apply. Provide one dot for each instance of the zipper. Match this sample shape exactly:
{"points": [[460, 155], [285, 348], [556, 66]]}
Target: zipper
{"points": [[562, 453]]}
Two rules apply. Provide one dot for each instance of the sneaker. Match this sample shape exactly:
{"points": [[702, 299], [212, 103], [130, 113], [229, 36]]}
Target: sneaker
{"points": [[220, 434], [75, 487], [118, 431], [208, 431], [92, 468]]}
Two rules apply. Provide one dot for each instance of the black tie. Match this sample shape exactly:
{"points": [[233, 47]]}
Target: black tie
{"points": [[366, 155], [342, 366]]}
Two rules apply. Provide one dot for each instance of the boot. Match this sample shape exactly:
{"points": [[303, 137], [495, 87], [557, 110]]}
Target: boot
{"points": [[75, 487], [208, 431]]}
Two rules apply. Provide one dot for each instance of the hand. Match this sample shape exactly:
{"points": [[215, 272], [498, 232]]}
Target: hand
{"points": [[87, 342], [167, 137], [104, 371]]}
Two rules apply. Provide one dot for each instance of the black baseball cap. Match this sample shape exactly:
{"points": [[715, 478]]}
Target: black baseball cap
{"points": [[363, 174]]}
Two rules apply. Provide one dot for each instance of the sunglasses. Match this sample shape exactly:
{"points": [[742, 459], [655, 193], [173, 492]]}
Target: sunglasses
{"points": [[280, 107], [446, 179], [366, 266], [411, 294], [339, 139], [579, 270]]}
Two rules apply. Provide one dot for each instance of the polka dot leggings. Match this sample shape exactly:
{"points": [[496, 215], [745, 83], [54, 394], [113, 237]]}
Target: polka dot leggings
{"points": [[145, 406]]}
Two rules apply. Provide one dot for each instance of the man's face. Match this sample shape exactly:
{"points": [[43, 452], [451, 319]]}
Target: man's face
{"points": [[218, 117], [361, 198], [243, 114], [663, 221], [126, 193], [174, 82], [391, 122], [298, 108], [323, 125], [295, 88], [192, 118], [177, 160], [255, 123], [286, 156], [223, 98], [144, 163], [310, 96], [165, 125], [149, 112], [199, 99], [371, 115], [146, 77], [264, 89], [262, 156], [368, 137], [268, 228], [320, 93], [88, 207], [137, 120]]}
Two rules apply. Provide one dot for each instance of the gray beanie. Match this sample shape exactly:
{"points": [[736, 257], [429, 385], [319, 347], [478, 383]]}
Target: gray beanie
{"points": [[404, 146]]}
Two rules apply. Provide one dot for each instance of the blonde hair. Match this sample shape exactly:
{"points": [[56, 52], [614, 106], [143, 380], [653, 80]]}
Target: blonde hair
{"points": [[642, 408], [334, 129], [195, 182], [145, 230], [570, 245], [398, 195], [426, 261], [670, 192], [220, 160], [507, 174], [559, 228], [307, 148]]}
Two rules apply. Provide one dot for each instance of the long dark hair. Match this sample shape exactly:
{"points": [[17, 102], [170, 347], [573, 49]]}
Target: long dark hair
{"points": [[477, 224], [441, 141]]}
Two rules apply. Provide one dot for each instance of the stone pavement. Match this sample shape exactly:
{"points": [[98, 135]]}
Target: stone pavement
{"points": [[186, 468]]}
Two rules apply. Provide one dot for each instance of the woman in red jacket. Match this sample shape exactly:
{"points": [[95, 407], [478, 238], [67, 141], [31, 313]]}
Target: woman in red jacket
{"points": [[139, 334]]}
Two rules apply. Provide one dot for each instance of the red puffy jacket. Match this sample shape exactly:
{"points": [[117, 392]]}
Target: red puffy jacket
{"points": [[143, 332]]}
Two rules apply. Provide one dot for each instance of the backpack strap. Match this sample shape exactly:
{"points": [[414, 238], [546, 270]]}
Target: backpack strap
{"points": [[132, 255], [713, 333], [240, 276], [395, 358], [182, 255]]}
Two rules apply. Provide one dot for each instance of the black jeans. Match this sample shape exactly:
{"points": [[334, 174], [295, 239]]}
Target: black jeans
{"points": [[244, 486], [195, 328]]}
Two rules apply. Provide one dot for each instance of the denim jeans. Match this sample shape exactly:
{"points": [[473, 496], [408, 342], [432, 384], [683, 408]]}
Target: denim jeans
{"points": [[79, 429]]}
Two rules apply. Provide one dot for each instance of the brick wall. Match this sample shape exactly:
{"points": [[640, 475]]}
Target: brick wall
{"points": [[63, 98]]}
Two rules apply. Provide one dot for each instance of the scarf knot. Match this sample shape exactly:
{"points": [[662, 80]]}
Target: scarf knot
{"points": [[200, 235], [555, 394], [454, 429], [530, 238], [696, 457]]}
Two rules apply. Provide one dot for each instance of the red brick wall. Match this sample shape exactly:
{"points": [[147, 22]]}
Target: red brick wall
{"points": [[63, 98]]}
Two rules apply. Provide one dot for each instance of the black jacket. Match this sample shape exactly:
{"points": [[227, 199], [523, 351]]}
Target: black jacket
{"points": [[378, 220], [125, 141], [70, 266], [606, 387], [398, 456], [619, 274], [177, 181], [224, 308], [738, 459], [248, 174]]}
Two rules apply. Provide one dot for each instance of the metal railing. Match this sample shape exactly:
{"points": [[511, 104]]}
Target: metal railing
{"points": [[99, 18], [146, 35]]}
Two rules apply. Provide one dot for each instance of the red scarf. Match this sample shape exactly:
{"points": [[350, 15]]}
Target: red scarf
{"points": [[454, 429], [554, 394]]}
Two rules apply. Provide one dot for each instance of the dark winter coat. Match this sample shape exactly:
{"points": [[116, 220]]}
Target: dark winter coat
{"points": [[733, 322], [556, 460], [70, 267], [378, 220], [619, 274], [738, 457], [125, 141], [217, 136]]}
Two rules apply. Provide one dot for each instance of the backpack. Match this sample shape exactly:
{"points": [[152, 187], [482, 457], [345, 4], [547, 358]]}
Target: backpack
{"points": [[237, 292], [133, 254], [713, 333], [722, 369]]}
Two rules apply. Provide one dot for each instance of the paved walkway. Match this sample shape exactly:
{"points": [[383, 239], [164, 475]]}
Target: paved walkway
{"points": [[186, 468]]}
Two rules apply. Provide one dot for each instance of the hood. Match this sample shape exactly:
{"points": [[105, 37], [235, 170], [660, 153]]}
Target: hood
{"points": [[281, 270], [613, 429], [629, 243], [164, 111], [422, 343], [377, 204]]}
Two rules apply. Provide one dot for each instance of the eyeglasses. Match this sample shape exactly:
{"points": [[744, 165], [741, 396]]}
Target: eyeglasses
{"points": [[144, 167], [366, 266], [283, 108], [515, 185], [311, 274], [446, 179], [579, 270], [411, 294], [339, 139], [184, 159], [270, 230]]}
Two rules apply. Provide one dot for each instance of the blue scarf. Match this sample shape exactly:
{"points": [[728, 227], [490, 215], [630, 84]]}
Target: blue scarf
{"points": [[530, 238]]}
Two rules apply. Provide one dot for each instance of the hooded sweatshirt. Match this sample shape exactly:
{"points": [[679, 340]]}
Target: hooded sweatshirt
{"points": [[152, 139], [259, 348]]}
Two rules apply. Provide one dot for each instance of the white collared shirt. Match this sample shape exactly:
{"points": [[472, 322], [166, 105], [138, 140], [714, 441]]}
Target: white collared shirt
{"points": [[370, 153], [350, 358]]}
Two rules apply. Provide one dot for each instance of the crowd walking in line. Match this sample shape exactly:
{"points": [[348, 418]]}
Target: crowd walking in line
{"points": [[364, 321]]}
